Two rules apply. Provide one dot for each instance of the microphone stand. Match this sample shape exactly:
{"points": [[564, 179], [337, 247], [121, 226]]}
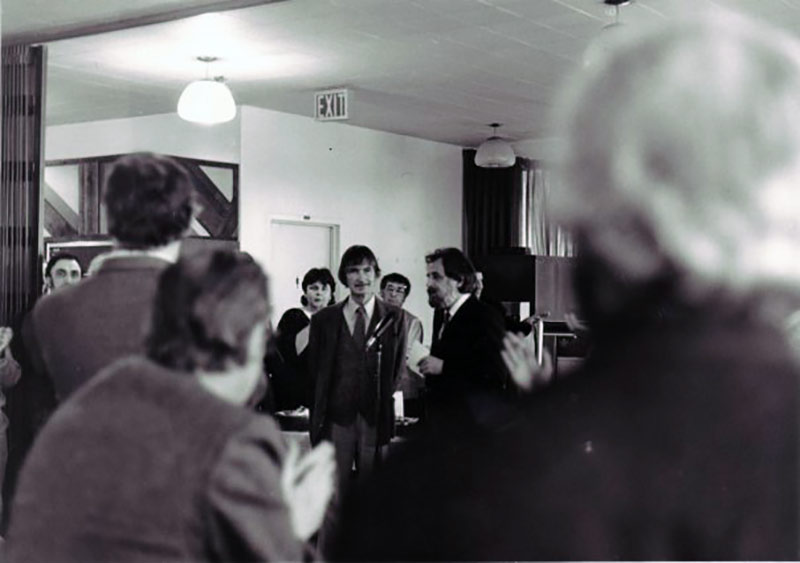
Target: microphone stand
{"points": [[377, 336], [377, 457]]}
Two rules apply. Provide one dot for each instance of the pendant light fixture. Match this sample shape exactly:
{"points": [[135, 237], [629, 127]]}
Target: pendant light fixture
{"points": [[495, 152], [208, 101], [598, 48]]}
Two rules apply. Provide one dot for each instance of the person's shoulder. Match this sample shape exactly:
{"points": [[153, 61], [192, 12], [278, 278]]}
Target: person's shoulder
{"points": [[474, 307], [50, 306], [329, 312], [487, 309], [292, 315], [261, 431]]}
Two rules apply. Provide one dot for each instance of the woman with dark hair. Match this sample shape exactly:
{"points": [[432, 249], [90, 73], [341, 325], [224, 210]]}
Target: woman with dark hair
{"points": [[291, 385]]}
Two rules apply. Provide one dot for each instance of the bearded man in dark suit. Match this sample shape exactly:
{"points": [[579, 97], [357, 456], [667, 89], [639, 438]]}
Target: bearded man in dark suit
{"points": [[465, 374]]}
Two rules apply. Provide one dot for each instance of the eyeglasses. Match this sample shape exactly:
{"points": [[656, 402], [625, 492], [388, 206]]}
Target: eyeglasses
{"points": [[396, 288]]}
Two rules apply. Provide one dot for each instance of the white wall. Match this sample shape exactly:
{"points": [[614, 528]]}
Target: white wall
{"points": [[166, 133], [401, 196]]}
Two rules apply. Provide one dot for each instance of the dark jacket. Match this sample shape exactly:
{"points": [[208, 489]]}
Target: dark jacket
{"points": [[473, 375], [678, 440], [290, 379], [322, 348]]}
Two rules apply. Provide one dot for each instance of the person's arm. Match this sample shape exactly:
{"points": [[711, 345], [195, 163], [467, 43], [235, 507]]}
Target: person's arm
{"points": [[519, 355], [45, 399], [313, 351], [301, 340], [259, 511], [488, 348], [415, 331]]}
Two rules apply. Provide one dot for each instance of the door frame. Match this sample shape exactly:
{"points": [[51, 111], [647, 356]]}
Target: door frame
{"points": [[306, 221]]}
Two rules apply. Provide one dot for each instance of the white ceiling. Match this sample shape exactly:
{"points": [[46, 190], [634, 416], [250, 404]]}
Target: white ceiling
{"points": [[434, 69]]}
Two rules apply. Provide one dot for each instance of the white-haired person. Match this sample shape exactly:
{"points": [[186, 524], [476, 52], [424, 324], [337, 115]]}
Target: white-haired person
{"points": [[678, 438]]}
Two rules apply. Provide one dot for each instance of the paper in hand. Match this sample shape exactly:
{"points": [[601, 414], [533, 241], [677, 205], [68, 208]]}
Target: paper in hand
{"points": [[415, 353]]}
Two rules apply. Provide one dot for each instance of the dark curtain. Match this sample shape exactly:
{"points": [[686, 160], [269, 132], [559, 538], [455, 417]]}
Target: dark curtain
{"points": [[22, 84], [20, 275], [492, 206]]}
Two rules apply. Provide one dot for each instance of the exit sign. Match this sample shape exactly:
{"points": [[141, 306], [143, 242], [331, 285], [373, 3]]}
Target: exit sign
{"points": [[330, 104]]}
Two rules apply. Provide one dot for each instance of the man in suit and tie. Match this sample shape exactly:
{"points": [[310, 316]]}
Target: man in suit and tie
{"points": [[356, 353], [465, 374], [72, 333], [352, 372]]}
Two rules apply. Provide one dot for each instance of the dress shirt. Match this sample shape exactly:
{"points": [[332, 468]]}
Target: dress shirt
{"points": [[457, 305], [451, 311], [349, 311]]}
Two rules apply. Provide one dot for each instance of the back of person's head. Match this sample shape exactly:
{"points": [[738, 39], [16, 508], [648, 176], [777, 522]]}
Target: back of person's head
{"points": [[456, 266], [205, 309], [681, 159], [397, 278], [149, 200], [355, 256], [321, 276]]}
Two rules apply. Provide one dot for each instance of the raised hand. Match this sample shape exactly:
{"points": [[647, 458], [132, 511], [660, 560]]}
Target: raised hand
{"points": [[307, 482], [519, 355], [6, 334]]}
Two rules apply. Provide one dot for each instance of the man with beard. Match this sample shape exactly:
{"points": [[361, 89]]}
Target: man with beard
{"points": [[464, 372]]}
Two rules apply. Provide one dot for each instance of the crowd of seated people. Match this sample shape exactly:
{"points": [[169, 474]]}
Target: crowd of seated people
{"points": [[676, 439]]}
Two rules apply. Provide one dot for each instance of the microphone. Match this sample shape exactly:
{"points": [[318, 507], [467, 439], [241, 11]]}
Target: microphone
{"points": [[382, 326]]}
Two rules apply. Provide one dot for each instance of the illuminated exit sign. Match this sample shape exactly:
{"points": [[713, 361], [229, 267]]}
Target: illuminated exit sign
{"points": [[330, 104]]}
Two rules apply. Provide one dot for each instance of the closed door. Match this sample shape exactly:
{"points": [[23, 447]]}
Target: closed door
{"points": [[297, 247]]}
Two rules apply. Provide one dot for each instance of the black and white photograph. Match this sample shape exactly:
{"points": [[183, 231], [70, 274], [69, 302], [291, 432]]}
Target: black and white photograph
{"points": [[399, 280]]}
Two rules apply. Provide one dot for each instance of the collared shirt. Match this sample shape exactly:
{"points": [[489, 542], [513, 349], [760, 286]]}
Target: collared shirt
{"points": [[349, 311], [450, 311], [457, 305], [160, 252]]}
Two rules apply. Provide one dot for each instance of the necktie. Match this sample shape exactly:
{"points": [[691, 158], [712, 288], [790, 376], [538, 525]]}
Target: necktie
{"points": [[445, 320], [360, 328]]}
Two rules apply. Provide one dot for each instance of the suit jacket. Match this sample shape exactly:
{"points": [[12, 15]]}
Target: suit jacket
{"points": [[79, 330], [325, 332], [473, 373]]}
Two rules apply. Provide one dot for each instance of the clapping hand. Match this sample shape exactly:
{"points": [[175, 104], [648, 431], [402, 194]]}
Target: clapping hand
{"points": [[307, 482], [6, 334], [519, 355]]}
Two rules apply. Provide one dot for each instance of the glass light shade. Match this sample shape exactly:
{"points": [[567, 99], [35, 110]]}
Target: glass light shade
{"points": [[494, 152], [207, 102]]}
